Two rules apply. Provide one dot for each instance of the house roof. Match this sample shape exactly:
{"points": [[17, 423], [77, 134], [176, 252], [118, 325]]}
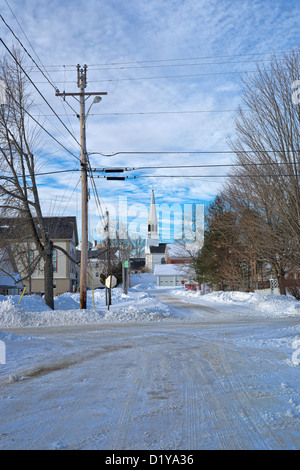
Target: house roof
{"points": [[99, 254], [136, 263], [177, 251], [59, 228], [158, 249], [174, 270]]}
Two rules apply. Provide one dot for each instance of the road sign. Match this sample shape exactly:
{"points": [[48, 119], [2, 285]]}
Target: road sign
{"points": [[111, 282], [126, 264]]}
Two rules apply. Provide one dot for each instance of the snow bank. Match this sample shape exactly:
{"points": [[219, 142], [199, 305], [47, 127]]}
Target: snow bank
{"points": [[32, 311], [275, 305], [147, 280]]}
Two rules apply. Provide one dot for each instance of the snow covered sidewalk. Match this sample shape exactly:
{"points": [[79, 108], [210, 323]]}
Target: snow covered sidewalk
{"points": [[32, 311], [263, 305]]}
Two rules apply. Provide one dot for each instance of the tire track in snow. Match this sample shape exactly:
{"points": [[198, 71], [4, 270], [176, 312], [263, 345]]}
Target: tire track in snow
{"points": [[221, 410], [119, 437], [247, 404]]}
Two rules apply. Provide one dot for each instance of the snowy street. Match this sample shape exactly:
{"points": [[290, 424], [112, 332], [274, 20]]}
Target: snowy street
{"points": [[210, 375]]}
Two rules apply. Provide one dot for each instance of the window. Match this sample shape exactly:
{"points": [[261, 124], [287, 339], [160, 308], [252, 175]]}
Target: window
{"points": [[31, 257], [54, 260]]}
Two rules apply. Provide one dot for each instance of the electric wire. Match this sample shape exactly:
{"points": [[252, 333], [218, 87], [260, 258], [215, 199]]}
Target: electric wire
{"points": [[37, 89], [195, 176], [48, 77], [192, 152], [176, 59], [163, 77], [42, 127], [96, 195], [24, 48]]}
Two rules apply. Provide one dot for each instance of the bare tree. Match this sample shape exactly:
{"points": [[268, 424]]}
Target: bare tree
{"points": [[266, 144], [18, 187]]}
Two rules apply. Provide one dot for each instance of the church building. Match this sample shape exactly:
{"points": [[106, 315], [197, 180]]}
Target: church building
{"points": [[154, 251]]}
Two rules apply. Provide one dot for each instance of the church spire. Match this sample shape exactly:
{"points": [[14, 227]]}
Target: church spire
{"points": [[153, 237], [152, 219]]}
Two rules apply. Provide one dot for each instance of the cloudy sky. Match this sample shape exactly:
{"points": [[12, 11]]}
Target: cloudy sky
{"points": [[172, 70]]}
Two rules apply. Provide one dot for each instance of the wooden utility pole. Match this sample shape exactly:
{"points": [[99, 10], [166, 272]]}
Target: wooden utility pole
{"points": [[81, 96], [108, 260]]}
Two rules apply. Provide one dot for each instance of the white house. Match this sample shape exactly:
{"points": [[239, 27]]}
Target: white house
{"points": [[173, 274]]}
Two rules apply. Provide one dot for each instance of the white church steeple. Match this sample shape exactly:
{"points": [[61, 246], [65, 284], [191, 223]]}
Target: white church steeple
{"points": [[152, 235]]}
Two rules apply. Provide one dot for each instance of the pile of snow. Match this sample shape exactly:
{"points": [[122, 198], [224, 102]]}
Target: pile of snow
{"points": [[32, 311], [147, 280], [275, 305]]}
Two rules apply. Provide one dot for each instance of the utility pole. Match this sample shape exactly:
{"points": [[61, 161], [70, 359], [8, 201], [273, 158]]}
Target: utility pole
{"points": [[108, 260], [82, 96]]}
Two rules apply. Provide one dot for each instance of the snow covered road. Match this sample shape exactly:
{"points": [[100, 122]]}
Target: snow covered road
{"points": [[210, 376]]}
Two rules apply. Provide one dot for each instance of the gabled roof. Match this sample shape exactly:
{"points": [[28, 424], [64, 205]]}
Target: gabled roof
{"points": [[174, 270], [59, 228], [177, 251], [158, 249]]}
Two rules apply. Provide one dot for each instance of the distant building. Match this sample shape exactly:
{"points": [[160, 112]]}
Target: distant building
{"points": [[173, 274], [10, 283], [137, 265], [154, 251], [157, 253], [176, 253], [63, 233]]}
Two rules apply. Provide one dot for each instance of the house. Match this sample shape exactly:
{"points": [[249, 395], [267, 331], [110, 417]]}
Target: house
{"points": [[168, 275], [10, 283], [97, 264], [63, 234], [176, 253], [154, 256], [137, 265]]}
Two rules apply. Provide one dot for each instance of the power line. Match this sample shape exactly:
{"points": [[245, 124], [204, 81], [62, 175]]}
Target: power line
{"points": [[49, 80], [182, 65], [24, 48], [156, 112], [193, 152], [199, 64], [46, 173], [97, 198], [37, 89], [177, 59], [20, 26], [216, 165], [42, 127], [164, 77], [194, 176]]}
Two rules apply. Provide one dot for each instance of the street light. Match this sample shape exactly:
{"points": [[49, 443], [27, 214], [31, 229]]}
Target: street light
{"points": [[96, 100]]}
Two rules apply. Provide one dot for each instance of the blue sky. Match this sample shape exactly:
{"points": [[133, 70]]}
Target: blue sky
{"points": [[172, 70]]}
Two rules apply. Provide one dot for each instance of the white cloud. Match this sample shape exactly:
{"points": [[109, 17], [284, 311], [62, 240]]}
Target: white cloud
{"points": [[101, 32]]}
